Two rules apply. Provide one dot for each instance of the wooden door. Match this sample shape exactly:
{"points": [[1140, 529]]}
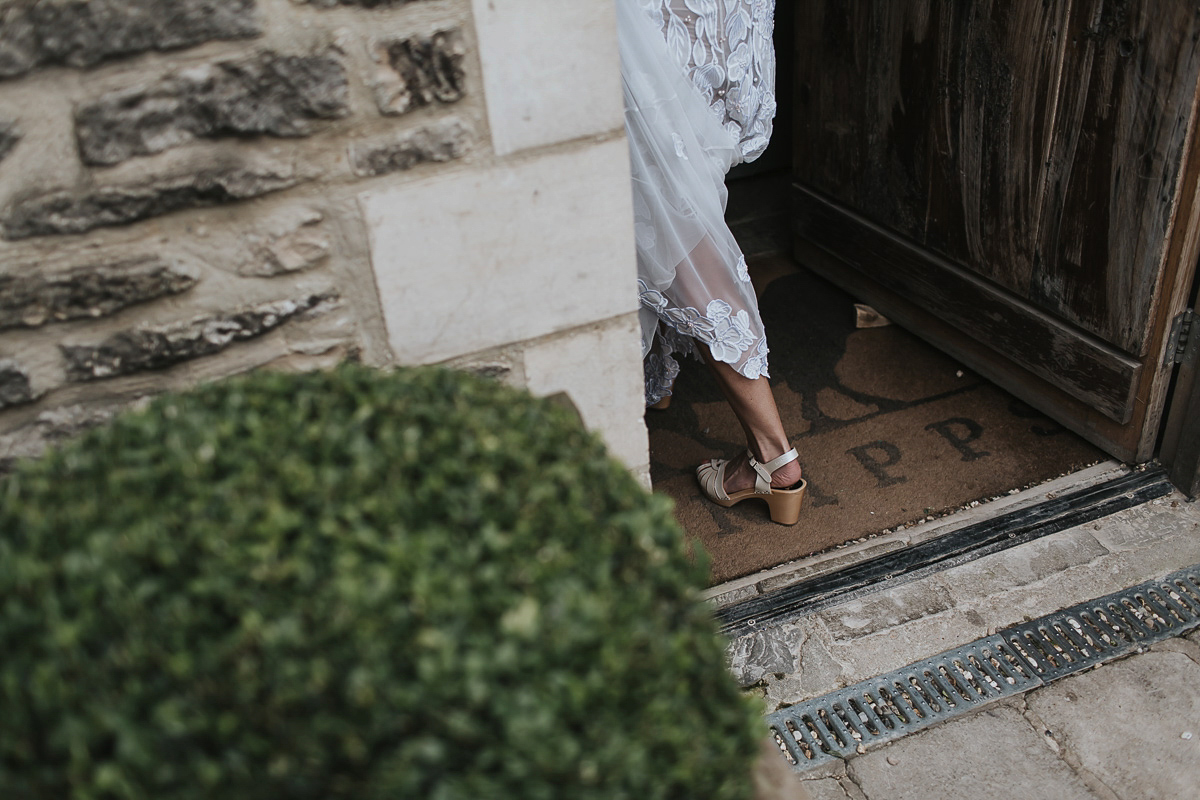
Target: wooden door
{"points": [[1014, 181]]}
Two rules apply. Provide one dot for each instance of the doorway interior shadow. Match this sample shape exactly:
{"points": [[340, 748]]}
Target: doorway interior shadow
{"points": [[890, 430]]}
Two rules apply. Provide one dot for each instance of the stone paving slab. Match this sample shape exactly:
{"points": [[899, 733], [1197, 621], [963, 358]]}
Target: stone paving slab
{"points": [[995, 753], [1133, 724], [831, 789], [1116, 733], [1030, 566], [898, 625], [887, 610]]}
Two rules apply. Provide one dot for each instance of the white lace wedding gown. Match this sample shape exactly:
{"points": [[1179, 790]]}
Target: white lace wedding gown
{"points": [[699, 79]]}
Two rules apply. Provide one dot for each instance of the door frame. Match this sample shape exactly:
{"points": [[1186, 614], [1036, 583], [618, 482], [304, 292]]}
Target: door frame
{"points": [[1180, 451]]}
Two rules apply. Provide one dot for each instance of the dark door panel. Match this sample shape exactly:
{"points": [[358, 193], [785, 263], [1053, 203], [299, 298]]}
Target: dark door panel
{"points": [[1081, 365], [1021, 176]]}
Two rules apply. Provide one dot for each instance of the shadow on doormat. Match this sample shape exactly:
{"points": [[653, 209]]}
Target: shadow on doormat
{"points": [[889, 431]]}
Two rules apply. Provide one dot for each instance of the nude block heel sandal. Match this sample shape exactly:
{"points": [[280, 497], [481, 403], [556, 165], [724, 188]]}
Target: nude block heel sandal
{"points": [[784, 503]]}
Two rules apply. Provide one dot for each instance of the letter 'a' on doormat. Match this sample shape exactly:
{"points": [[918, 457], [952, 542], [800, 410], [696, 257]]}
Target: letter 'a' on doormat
{"points": [[889, 430]]}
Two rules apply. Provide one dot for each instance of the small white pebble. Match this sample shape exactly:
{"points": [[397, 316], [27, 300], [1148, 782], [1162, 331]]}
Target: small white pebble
{"points": [[1187, 736], [958, 374], [861, 750], [892, 760]]}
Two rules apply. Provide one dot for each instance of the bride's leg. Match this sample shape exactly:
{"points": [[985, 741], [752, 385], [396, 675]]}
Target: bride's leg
{"points": [[754, 406]]}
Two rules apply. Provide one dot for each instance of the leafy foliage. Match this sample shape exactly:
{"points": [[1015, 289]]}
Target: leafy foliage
{"points": [[354, 585]]}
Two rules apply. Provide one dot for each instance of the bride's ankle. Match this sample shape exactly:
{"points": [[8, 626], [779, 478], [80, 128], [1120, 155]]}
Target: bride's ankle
{"points": [[764, 452]]}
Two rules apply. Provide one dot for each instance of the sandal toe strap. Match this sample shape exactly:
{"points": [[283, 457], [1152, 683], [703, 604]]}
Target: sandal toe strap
{"points": [[712, 479]]}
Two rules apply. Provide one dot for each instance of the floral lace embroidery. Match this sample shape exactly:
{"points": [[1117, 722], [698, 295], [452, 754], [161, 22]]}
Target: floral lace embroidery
{"points": [[743, 270], [726, 47], [726, 333], [731, 332], [757, 364], [680, 147]]}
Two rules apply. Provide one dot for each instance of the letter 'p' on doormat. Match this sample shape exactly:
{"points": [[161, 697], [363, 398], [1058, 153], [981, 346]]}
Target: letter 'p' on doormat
{"points": [[889, 430]]}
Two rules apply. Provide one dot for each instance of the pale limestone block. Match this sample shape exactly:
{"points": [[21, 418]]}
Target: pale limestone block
{"points": [[551, 71], [600, 368], [471, 260]]}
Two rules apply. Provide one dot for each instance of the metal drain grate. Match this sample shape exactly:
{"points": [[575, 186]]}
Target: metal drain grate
{"points": [[1093, 633], [959, 681]]}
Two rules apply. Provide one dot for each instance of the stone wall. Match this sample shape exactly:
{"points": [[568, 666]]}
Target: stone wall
{"points": [[195, 188]]}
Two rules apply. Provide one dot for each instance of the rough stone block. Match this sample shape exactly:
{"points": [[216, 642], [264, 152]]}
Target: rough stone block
{"points": [[83, 33], [889, 649], [87, 292], [67, 212], [306, 246], [718, 598], [269, 94], [58, 424], [446, 141], [158, 347], [1145, 525], [449, 289], [772, 651], [1133, 724], [359, 3], [818, 672], [419, 72], [15, 388], [552, 71], [1041, 564], [9, 136], [887, 609]]}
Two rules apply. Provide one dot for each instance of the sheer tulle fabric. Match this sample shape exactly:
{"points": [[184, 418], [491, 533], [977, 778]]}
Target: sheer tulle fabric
{"points": [[692, 275]]}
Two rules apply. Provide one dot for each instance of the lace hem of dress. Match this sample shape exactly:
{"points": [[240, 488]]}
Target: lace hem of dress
{"points": [[660, 370], [727, 334]]}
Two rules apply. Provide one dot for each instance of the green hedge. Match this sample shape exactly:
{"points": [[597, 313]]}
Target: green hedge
{"points": [[360, 585]]}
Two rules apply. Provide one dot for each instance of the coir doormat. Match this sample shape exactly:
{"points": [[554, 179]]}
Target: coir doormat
{"points": [[889, 430]]}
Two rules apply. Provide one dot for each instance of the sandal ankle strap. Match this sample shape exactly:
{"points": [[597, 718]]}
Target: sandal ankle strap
{"points": [[762, 485]]}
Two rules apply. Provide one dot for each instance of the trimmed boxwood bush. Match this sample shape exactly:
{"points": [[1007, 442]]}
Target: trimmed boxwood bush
{"points": [[354, 585]]}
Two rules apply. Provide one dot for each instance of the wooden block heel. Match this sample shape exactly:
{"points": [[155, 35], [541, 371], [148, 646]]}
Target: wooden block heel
{"points": [[784, 504]]}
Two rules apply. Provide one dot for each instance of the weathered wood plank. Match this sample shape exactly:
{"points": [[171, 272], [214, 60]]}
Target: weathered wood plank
{"points": [[1120, 441], [933, 119], [1084, 367], [1037, 145], [1118, 149]]}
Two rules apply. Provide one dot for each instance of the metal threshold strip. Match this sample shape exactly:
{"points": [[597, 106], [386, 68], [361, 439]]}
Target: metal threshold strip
{"points": [[958, 547], [960, 681]]}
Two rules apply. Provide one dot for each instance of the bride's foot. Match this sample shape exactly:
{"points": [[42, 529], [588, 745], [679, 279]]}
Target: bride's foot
{"points": [[777, 481], [739, 475]]}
